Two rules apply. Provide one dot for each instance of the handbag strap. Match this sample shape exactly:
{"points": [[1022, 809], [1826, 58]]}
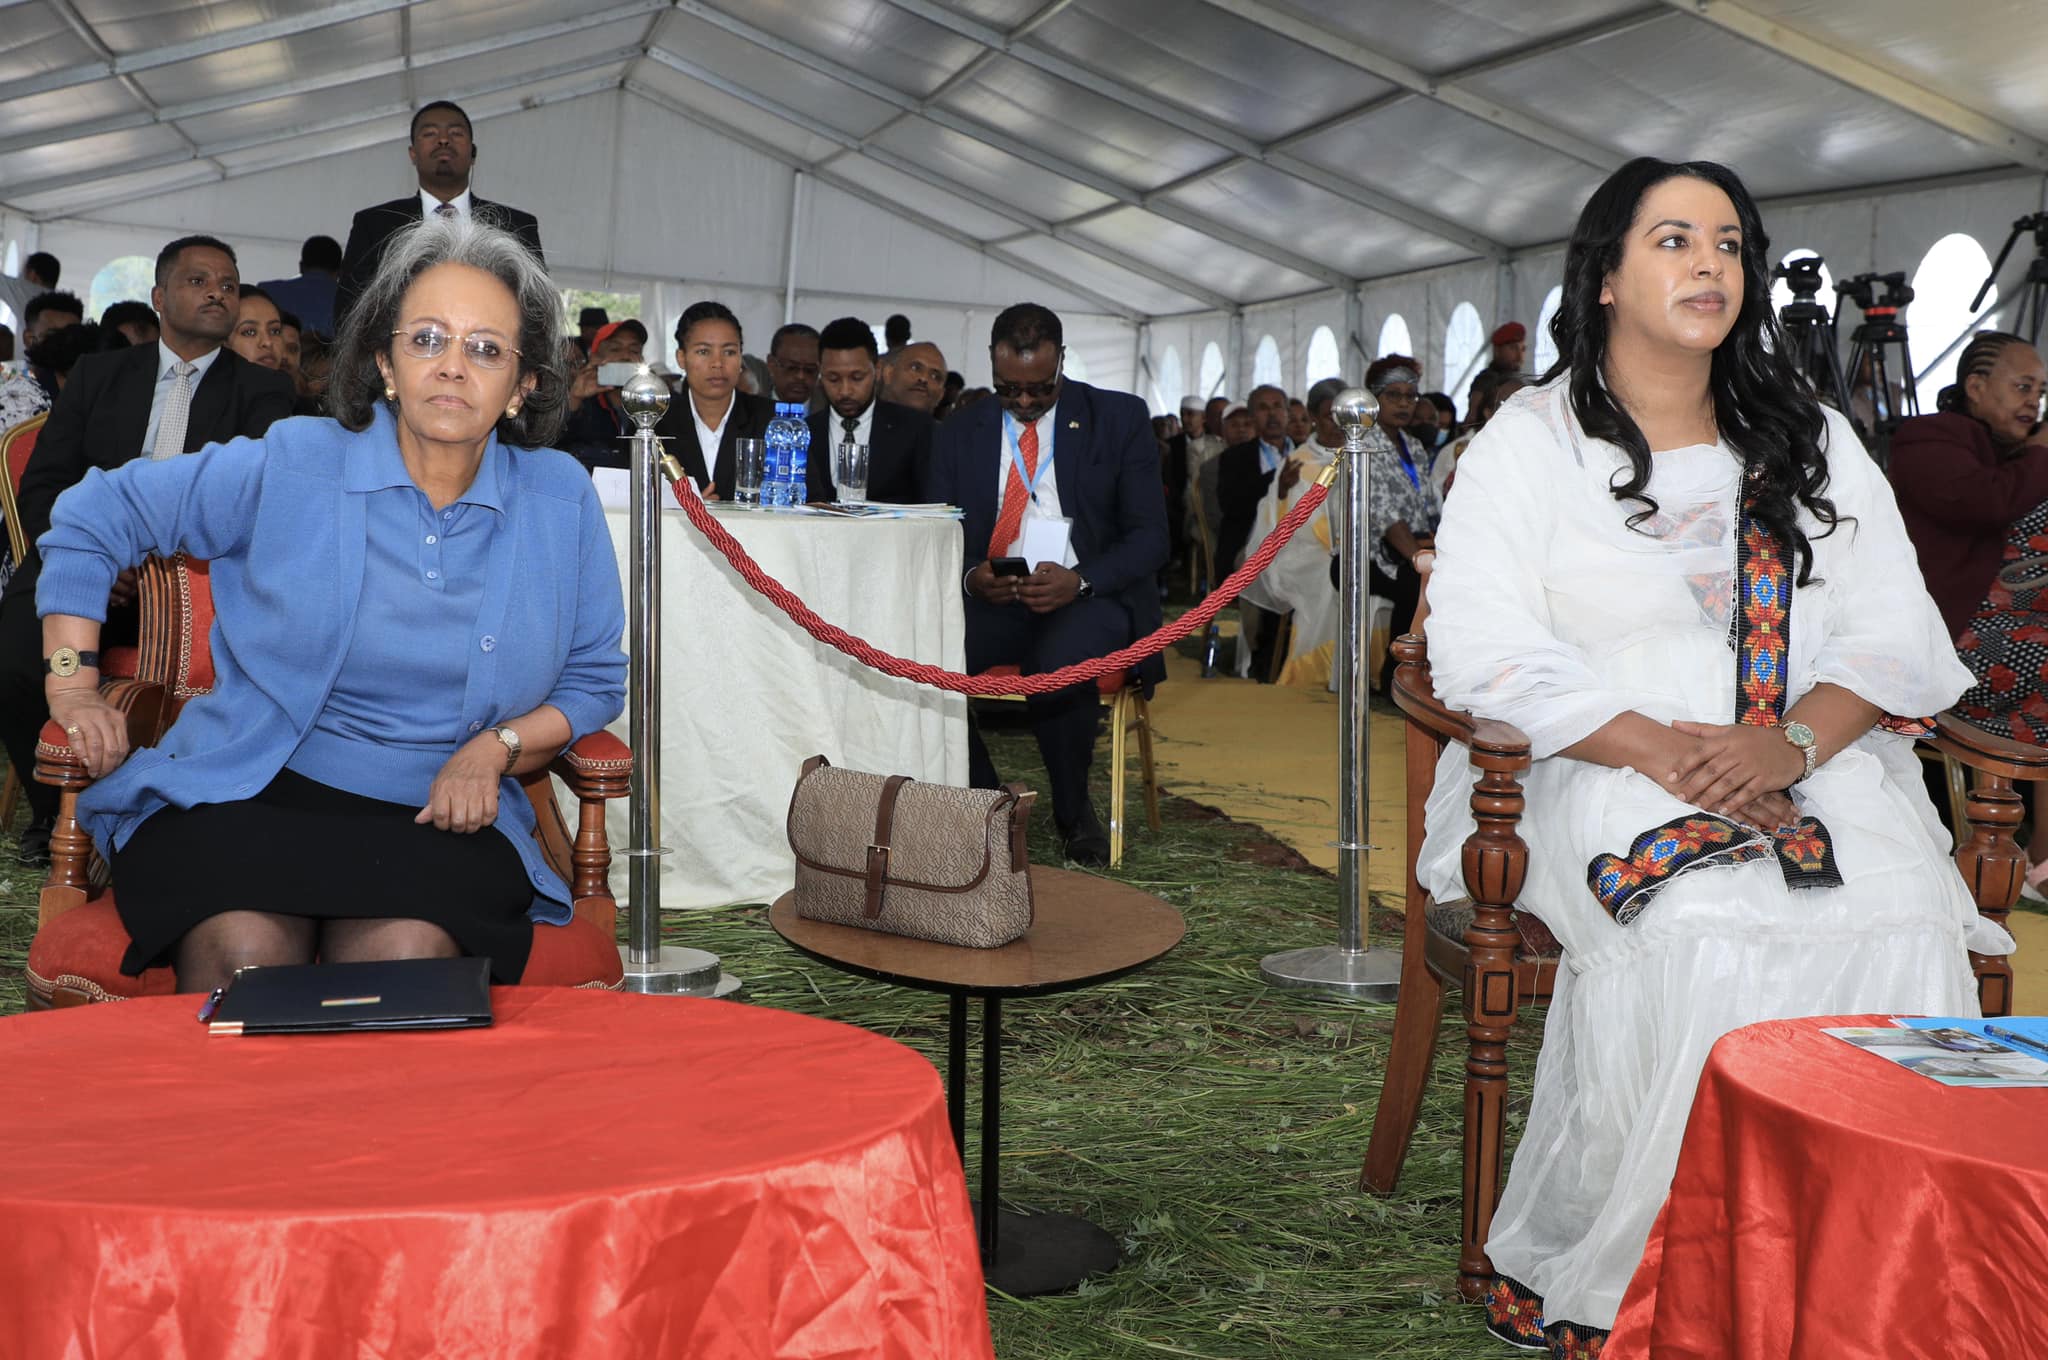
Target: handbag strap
{"points": [[878, 849]]}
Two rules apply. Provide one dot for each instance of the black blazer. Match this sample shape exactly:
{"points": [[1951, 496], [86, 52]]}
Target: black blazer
{"points": [[103, 412], [373, 229], [1241, 483], [899, 446], [1106, 466], [748, 420]]}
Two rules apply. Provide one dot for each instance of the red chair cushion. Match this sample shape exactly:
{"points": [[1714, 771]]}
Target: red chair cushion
{"points": [[1107, 684], [80, 953]]}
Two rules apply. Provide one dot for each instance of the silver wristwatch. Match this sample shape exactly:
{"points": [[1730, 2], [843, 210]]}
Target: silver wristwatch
{"points": [[513, 747], [1801, 737]]}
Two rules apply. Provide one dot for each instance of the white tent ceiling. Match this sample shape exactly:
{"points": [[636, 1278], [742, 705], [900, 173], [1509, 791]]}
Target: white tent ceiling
{"points": [[1137, 159]]}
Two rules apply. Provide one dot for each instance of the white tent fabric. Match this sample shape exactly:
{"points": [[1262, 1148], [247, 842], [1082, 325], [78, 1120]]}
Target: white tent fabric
{"points": [[1165, 173]]}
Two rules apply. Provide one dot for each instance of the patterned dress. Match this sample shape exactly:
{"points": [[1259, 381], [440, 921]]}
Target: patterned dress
{"points": [[2005, 644], [1548, 611], [1402, 493]]}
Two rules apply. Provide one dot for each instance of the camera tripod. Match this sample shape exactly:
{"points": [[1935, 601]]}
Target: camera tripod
{"points": [[2034, 288], [1810, 332]]}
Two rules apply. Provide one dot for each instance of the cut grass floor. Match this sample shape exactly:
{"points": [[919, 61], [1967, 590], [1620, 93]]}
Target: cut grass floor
{"points": [[1212, 1124]]}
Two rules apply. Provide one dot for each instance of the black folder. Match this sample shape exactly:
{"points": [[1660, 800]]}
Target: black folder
{"points": [[322, 998]]}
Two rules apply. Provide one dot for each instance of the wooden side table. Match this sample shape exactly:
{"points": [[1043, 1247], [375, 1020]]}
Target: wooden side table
{"points": [[1084, 930]]}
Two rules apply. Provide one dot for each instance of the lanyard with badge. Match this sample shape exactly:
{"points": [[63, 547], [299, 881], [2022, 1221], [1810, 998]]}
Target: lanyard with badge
{"points": [[1043, 537]]}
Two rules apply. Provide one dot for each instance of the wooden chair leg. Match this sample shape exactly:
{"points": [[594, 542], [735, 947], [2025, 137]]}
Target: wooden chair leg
{"points": [[1495, 864], [1143, 722], [10, 793], [1993, 866], [1416, 1015], [1119, 716]]}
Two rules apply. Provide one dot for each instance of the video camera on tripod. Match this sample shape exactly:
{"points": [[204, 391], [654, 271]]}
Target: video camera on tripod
{"points": [[1814, 336], [2034, 288]]}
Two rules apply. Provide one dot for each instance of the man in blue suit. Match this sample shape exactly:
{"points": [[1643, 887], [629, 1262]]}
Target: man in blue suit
{"points": [[1074, 471]]}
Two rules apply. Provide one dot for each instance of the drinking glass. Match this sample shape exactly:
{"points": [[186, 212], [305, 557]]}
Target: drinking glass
{"points": [[746, 471], [850, 468]]}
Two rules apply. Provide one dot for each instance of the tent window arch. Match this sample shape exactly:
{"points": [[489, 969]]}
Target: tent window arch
{"points": [[1076, 367], [1939, 317], [1465, 352], [1323, 361], [1168, 387], [1544, 352], [1394, 337], [1266, 363], [1212, 371], [127, 279]]}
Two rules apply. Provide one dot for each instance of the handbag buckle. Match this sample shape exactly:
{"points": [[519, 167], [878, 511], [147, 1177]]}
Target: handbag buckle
{"points": [[877, 877]]}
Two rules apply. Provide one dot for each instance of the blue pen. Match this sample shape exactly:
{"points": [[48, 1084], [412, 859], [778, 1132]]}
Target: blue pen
{"points": [[212, 1004], [2022, 1040]]}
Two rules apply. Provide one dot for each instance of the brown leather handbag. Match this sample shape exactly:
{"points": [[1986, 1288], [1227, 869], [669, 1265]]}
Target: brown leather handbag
{"points": [[929, 861]]}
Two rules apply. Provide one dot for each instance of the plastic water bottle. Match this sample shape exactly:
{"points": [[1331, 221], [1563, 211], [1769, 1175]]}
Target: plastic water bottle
{"points": [[775, 459], [799, 460]]}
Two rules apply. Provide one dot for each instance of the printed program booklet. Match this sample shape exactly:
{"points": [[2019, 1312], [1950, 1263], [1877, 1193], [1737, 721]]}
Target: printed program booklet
{"points": [[2011, 1051]]}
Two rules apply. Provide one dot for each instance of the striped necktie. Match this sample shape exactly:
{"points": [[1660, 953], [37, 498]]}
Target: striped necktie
{"points": [[1015, 494], [170, 431]]}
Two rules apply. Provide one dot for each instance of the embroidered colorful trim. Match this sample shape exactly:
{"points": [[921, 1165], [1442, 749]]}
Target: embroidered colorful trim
{"points": [[1763, 617], [1568, 1341], [1624, 884], [1515, 1314]]}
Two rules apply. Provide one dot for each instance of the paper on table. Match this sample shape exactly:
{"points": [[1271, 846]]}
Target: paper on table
{"points": [[1046, 540], [1956, 1054]]}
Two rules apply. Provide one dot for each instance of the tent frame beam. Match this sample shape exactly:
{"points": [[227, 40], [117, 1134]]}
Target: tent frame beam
{"points": [[1839, 64]]}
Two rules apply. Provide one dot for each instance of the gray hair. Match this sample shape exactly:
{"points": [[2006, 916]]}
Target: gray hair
{"points": [[1324, 391], [357, 386]]}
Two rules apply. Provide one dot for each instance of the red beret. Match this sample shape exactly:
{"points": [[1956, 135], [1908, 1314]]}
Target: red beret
{"points": [[1509, 333]]}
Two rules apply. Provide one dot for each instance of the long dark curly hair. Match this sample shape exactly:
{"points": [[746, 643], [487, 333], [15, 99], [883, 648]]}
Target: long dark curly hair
{"points": [[1763, 404]]}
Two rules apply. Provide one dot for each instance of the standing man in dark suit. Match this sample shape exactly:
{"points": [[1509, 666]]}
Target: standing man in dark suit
{"points": [[1244, 476], [175, 396], [442, 151], [1099, 595], [899, 439], [713, 412]]}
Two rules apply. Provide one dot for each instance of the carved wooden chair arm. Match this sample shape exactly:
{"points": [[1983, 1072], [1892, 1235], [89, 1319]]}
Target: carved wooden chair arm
{"points": [[597, 766]]}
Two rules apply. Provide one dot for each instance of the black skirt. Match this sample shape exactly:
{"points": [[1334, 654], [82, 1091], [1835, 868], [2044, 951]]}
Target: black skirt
{"points": [[302, 848]]}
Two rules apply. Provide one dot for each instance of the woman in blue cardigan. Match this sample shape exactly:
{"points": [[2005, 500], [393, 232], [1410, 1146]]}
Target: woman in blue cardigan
{"points": [[415, 603]]}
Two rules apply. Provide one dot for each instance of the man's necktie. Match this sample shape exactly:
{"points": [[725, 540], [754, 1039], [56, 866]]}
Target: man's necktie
{"points": [[1015, 493], [170, 431], [445, 210], [849, 424]]}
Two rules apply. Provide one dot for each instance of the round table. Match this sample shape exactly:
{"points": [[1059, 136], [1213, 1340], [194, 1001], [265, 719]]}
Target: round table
{"points": [[1828, 1203], [1084, 930], [597, 1174]]}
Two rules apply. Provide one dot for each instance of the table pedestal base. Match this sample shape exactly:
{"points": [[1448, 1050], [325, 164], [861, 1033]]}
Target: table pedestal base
{"points": [[677, 971], [1046, 1253]]}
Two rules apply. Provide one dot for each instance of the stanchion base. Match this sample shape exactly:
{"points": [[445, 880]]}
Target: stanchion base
{"points": [[1046, 1253], [1359, 974], [678, 972]]}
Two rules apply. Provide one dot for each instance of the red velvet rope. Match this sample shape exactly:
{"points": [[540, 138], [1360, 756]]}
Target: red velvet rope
{"points": [[989, 685]]}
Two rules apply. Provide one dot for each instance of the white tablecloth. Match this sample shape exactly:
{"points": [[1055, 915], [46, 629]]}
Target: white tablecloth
{"points": [[747, 696]]}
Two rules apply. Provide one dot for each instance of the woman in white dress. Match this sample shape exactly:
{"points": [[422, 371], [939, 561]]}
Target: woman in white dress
{"points": [[1711, 853]]}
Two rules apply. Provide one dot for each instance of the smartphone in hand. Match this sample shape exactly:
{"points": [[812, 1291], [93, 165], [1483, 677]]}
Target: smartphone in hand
{"points": [[1009, 566]]}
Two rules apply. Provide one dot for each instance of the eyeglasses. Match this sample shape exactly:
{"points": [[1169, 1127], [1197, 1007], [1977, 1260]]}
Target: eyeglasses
{"points": [[431, 342], [1038, 391]]}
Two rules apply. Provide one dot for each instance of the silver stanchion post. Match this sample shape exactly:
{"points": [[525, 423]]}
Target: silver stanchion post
{"points": [[1351, 967], [650, 965]]}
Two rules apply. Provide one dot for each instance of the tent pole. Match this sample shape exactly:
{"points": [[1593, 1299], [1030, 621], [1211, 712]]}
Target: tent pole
{"points": [[796, 211]]}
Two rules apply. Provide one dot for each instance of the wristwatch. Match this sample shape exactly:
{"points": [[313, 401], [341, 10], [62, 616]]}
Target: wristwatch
{"points": [[66, 662], [512, 746], [1084, 591], [1801, 737]]}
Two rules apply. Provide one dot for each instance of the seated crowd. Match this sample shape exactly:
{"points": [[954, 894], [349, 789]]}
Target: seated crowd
{"points": [[430, 357]]}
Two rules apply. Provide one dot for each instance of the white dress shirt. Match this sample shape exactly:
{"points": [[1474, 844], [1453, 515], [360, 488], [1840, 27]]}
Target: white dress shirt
{"points": [[863, 428], [165, 380], [709, 436], [429, 204], [1045, 492]]}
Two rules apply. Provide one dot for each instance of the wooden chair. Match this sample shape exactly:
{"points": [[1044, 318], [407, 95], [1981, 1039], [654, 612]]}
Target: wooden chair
{"points": [[1505, 958], [1128, 713], [76, 954], [16, 443]]}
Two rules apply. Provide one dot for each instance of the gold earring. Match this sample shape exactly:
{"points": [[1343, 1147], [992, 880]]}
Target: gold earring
{"points": [[513, 410], [390, 392]]}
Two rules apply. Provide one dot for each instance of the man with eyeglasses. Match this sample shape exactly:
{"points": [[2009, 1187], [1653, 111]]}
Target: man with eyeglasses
{"points": [[443, 150], [793, 364], [1064, 476], [156, 401]]}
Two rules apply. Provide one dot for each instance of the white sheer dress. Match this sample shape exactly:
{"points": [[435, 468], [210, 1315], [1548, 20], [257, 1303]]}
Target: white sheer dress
{"points": [[1549, 612]]}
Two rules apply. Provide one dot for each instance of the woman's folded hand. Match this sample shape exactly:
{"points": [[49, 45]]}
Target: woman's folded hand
{"points": [[464, 796]]}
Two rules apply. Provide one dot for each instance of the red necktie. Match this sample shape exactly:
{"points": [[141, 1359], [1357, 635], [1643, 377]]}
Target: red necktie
{"points": [[1010, 518]]}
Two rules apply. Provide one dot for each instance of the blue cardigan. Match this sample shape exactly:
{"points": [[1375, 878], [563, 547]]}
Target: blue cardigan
{"points": [[282, 520]]}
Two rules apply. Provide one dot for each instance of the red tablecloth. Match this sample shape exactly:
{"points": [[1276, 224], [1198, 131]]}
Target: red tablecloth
{"points": [[596, 1175], [1830, 1205]]}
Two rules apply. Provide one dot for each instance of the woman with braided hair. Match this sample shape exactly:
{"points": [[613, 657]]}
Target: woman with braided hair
{"points": [[1687, 583], [1967, 473]]}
